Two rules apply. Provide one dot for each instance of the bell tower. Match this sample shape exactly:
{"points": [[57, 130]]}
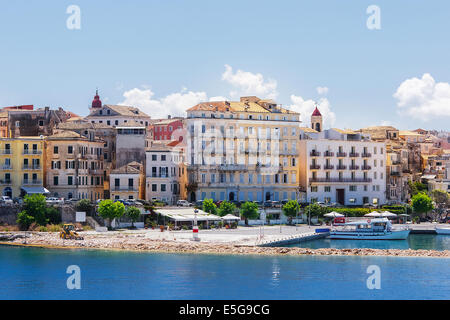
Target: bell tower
{"points": [[316, 120]]}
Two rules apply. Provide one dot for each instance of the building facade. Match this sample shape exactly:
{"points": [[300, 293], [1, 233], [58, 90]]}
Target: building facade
{"points": [[166, 172], [128, 182], [242, 151], [341, 166], [74, 166], [22, 166]]}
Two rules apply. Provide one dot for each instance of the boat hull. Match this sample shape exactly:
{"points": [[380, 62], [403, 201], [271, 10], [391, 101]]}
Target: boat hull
{"points": [[443, 231], [393, 235]]}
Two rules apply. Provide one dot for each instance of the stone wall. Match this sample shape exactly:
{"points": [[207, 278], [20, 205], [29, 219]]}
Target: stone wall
{"points": [[8, 214]]}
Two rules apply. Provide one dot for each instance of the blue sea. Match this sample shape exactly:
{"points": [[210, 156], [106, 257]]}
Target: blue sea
{"points": [[32, 273], [414, 242]]}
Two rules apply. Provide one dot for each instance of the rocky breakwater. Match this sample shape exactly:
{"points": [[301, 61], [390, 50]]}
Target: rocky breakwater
{"points": [[140, 243]]}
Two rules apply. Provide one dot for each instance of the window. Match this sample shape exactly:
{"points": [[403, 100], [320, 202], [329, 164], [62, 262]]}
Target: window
{"points": [[41, 123], [154, 157], [327, 189], [314, 189], [55, 180], [353, 188], [154, 187], [70, 149], [55, 150], [70, 180], [163, 188], [163, 157]]}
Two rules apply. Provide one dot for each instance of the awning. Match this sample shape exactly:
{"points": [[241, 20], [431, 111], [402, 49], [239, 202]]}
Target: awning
{"points": [[33, 190], [230, 217]]}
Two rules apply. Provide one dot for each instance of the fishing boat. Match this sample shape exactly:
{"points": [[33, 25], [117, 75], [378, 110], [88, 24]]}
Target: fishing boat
{"points": [[372, 229], [443, 230]]}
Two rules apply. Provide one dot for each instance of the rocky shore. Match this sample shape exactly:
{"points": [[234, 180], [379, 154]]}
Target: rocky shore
{"points": [[140, 243]]}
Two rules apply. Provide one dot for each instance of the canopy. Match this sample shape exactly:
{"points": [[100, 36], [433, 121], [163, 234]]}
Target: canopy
{"points": [[230, 217], [380, 214], [333, 215], [187, 214], [32, 190]]}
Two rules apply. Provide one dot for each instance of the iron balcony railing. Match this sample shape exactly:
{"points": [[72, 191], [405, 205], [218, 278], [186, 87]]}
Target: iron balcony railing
{"points": [[31, 182], [123, 188], [328, 154], [5, 151], [29, 152], [354, 154], [315, 153], [6, 167], [31, 167], [341, 167], [366, 155], [6, 182], [339, 180], [314, 167], [366, 167], [341, 154], [328, 167], [353, 167]]}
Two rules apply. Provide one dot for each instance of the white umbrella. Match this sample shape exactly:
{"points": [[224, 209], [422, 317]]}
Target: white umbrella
{"points": [[333, 215], [384, 214], [230, 217], [373, 214]]}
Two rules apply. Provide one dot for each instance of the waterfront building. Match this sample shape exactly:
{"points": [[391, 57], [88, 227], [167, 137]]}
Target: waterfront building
{"points": [[21, 166], [166, 172], [163, 129], [113, 115], [130, 143], [341, 166], [127, 182], [27, 122], [243, 150], [74, 166]]}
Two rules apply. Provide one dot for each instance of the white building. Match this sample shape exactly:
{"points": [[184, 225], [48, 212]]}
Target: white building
{"points": [[165, 172], [342, 166]]}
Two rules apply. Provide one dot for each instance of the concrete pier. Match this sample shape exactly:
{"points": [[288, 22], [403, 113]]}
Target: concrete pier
{"points": [[292, 239]]}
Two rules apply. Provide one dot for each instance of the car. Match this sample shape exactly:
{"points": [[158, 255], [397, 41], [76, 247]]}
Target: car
{"points": [[268, 204], [18, 200], [276, 204], [199, 203], [53, 200], [6, 200], [183, 203]]}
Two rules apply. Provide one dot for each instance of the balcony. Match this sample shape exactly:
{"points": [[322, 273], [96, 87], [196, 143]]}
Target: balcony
{"points": [[328, 154], [314, 167], [124, 188], [395, 173], [27, 182], [5, 151], [366, 155], [32, 152], [232, 167], [353, 167], [340, 180], [365, 167], [354, 155], [6, 182], [341, 167], [328, 167], [6, 168], [32, 167], [341, 154], [314, 153]]}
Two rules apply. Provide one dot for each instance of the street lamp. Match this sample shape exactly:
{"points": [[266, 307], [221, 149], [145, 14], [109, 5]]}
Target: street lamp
{"points": [[195, 227]]}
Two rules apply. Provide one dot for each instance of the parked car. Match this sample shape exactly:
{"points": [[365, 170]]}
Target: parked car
{"points": [[199, 203], [6, 200], [183, 203], [276, 204], [268, 204], [53, 200], [18, 200]]}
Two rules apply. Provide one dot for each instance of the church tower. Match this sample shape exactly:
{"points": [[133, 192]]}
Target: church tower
{"points": [[316, 120], [96, 103]]}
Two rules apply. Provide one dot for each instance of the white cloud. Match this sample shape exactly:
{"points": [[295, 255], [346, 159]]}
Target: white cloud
{"points": [[306, 108], [247, 83], [174, 104], [218, 98], [423, 98], [322, 90]]}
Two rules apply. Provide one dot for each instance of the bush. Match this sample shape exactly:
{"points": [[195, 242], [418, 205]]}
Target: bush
{"points": [[84, 205], [43, 229], [53, 215], [24, 220], [54, 228]]}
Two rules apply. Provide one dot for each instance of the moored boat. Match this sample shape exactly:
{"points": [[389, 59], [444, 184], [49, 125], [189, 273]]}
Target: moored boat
{"points": [[374, 229], [443, 230]]}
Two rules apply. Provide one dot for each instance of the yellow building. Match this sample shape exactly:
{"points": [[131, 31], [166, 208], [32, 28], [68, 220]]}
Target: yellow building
{"points": [[21, 166]]}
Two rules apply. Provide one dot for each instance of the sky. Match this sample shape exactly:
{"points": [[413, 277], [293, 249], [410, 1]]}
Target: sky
{"points": [[164, 56]]}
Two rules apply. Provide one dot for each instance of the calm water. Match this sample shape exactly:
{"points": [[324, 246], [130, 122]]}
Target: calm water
{"points": [[414, 241], [28, 273]]}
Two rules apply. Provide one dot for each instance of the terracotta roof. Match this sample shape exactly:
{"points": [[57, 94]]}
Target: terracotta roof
{"points": [[71, 125], [310, 130], [67, 135], [344, 131], [239, 106]]}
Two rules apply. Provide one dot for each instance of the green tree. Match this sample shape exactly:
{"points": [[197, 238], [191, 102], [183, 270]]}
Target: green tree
{"points": [[314, 210], [226, 208], [209, 206], [290, 209], [421, 203], [110, 210], [249, 210], [35, 206], [416, 187], [24, 220], [84, 205], [53, 215], [133, 214]]}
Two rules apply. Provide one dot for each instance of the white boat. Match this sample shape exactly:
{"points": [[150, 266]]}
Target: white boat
{"points": [[443, 230], [372, 229]]}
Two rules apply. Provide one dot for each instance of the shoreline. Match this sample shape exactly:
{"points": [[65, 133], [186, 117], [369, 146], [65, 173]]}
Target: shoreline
{"points": [[139, 244]]}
